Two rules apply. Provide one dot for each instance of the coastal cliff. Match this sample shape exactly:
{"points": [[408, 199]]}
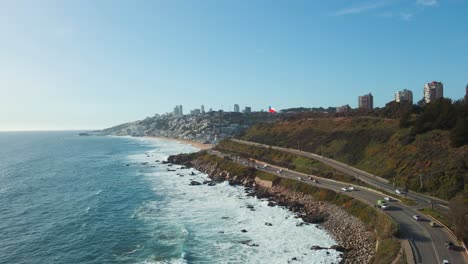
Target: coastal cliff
{"points": [[356, 239]]}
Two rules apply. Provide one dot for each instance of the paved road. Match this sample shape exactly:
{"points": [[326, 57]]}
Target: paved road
{"points": [[373, 180], [428, 243]]}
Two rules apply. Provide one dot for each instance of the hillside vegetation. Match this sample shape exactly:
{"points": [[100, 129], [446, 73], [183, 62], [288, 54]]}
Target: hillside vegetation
{"points": [[403, 150]]}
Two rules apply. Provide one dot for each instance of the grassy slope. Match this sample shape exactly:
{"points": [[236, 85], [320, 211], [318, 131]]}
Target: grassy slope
{"points": [[378, 146]]}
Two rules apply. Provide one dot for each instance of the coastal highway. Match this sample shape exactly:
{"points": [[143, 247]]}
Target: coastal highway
{"points": [[371, 179], [428, 243]]}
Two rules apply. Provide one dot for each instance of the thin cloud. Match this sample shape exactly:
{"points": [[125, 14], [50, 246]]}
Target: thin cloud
{"points": [[406, 16], [363, 7], [428, 2]]}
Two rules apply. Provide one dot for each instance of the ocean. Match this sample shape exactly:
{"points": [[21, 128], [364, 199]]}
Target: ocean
{"points": [[93, 199]]}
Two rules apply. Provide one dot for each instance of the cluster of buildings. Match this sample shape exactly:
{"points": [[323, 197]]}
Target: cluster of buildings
{"points": [[432, 91], [178, 110]]}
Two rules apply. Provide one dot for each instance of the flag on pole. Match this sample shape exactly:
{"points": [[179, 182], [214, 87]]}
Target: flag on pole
{"points": [[271, 110]]}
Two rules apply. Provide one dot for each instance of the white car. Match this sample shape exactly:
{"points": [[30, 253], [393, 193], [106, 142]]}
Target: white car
{"points": [[351, 188], [265, 166], [299, 178], [445, 261], [384, 206], [344, 189], [387, 198], [400, 191], [417, 217]]}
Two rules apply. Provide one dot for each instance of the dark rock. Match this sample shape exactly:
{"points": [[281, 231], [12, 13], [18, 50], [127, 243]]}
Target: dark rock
{"points": [[195, 183], [294, 258], [244, 231], [338, 248], [225, 217], [144, 163], [271, 204], [317, 247], [314, 219], [268, 224], [127, 165], [212, 183]]}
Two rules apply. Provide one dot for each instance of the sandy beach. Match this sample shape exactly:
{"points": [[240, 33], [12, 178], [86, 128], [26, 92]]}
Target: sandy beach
{"points": [[194, 144]]}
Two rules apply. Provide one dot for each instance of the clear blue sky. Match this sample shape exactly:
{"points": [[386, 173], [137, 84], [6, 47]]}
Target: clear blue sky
{"points": [[92, 64]]}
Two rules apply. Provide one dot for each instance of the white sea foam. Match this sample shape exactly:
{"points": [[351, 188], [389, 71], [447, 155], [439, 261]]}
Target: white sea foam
{"points": [[205, 222]]}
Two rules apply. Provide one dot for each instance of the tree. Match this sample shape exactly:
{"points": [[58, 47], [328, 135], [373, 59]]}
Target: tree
{"points": [[459, 134], [440, 114], [405, 120], [458, 211]]}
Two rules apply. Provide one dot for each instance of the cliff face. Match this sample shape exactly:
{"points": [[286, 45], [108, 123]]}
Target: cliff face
{"points": [[356, 241], [210, 126]]}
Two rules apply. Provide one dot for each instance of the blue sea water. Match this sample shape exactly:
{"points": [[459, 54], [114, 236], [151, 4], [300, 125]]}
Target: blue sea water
{"points": [[71, 199]]}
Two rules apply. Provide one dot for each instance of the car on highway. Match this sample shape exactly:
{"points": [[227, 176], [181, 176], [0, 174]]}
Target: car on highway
{"points": [[388, 198], [449, 245], [399, 191], [385, 206], [417, 217], [445, 261], [299, 178], [382, 204], [433, 224], [345, 189], [314, 181]]}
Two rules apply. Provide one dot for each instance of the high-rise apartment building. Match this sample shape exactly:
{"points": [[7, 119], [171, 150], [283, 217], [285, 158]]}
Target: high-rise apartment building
{"points": [[366, 102], [178, 110], [247, 109], [433, 90], [236, 108], [404, 96], [202, 109]]}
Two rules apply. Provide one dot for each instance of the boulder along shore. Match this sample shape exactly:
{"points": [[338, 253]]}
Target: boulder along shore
{"points": [[355, 241]]}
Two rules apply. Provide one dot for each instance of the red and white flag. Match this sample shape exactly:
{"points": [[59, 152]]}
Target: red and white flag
{"points": [[271, 110]]}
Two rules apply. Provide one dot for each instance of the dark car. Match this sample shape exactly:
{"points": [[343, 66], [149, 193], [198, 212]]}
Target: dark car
{"points": [[449, 244]]}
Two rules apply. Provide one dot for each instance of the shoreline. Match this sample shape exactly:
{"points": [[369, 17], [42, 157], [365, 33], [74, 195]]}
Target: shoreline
{"points": [[192, 143], [355, 242]]}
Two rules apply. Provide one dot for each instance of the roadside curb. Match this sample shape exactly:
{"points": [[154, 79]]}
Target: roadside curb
{"points": [[405, 249]]}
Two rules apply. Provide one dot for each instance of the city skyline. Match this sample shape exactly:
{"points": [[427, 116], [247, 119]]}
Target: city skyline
{"points": [[91, 65]]}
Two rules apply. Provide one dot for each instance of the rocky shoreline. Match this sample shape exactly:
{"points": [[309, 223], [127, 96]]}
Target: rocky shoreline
{"points": [[356, 243]]}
